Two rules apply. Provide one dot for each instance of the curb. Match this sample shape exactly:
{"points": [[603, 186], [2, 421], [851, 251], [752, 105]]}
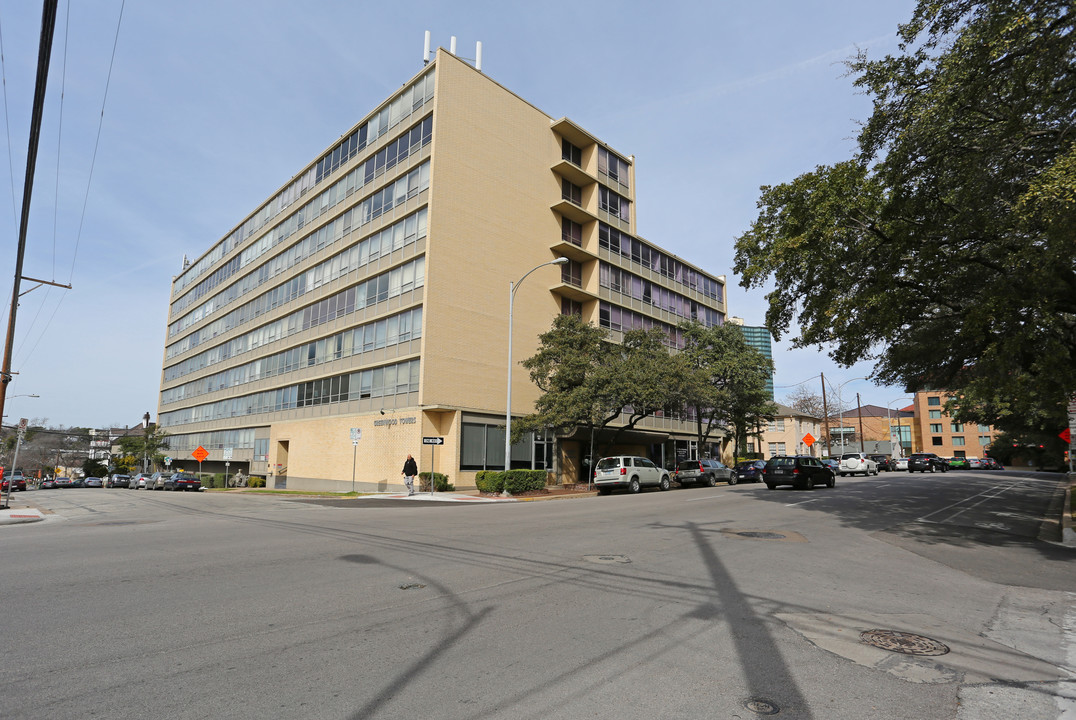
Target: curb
{"points": [[1068, 534], [12, 516]]}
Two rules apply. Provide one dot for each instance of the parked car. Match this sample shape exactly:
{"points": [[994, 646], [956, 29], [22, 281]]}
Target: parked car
{"points": [[750, 470], [17, 482], [927, 462], [118, 481], [703, 472], [78, 482], [958, 463], [156, 480], [48, 483], [628, 471], [138, 482], [990, 463], [900, 464], [93, 482], [64, 482], [833, 464], [975, 464], [853, 463], [884, 462], [800, 471], [182, 481]]}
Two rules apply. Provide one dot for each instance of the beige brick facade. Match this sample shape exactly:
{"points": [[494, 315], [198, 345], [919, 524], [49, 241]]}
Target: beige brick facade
{"points": [[493, 210]]}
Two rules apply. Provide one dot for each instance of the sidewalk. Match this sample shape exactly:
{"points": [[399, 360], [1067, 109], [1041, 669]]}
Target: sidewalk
{"points": [[20, 511]]}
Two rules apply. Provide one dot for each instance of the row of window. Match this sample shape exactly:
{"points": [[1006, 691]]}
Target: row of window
{"points": [[400, 328], [614, 317], [238, 439], [410, 142], [613, 203], [395, 379], [958, 441], [482, 448], [402, 107], [621, 281], [400, 234], [623, 244], [613, 167], [301, 284], [399, 280], [421, 92]]}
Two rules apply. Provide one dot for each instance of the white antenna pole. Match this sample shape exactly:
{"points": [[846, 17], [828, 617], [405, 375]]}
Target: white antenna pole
{"points": [[426, 50], [478, 56], [452, 45]]}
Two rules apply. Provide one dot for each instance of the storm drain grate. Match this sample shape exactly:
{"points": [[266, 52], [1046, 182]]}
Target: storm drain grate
{"points": [[902, 642], [760, 534]]}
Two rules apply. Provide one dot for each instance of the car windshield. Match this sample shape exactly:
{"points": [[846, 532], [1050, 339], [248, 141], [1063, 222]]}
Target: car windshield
{"points": [[608, 463], [781, 462], [688, 465]]}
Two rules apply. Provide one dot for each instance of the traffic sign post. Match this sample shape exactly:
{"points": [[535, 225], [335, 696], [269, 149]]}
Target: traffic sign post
{"points": [[200, 454], [356, 435], [433, 442]]}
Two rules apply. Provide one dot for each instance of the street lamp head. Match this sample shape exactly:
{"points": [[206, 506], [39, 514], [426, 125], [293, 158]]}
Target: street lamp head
{"points": [[560, 261]]}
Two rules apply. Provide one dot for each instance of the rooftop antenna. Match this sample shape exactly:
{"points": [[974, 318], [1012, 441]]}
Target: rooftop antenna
{"points": [[426, 50], [452, 45]]}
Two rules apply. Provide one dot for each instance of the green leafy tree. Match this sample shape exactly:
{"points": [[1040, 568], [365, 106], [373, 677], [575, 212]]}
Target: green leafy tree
{"points": [[150, 445], [723, 381], [946, 248]]}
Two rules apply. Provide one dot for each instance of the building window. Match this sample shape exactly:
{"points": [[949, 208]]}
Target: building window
{"points": [[958, 441], [935, 427], [614, 204], [571, 232], [777, 449], [984, 428], [571, 273], [935, 414], [777, 425], [984, 440], [483, 449], [570, 307], [956, 427], [933, 401], [571, 192], [935, 441], [959, 453], [571, 153], [612, 166]]}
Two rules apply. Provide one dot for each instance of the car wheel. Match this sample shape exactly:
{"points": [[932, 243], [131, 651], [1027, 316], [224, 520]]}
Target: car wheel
{"points": [[933, 468], [732, 479], [831, 481], [709, 481], [633, 486], [664, 482], [809, 484], [771, 486], [604, 490]]}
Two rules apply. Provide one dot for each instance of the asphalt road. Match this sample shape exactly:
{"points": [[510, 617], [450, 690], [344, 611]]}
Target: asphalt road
{"points": [[723, 602]]}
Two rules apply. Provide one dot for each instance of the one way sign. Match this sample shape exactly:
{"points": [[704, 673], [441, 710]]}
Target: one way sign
{"points": [[433, 441]]}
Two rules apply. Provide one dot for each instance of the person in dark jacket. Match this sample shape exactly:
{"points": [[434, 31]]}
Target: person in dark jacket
{"points": [[410, 470]]}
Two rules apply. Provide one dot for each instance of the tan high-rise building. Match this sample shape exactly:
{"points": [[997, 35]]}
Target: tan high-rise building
{"points": [[364, 306], [939, 433]]}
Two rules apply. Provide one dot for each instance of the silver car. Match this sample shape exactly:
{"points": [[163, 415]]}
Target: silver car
{"points": [[630, 472]]}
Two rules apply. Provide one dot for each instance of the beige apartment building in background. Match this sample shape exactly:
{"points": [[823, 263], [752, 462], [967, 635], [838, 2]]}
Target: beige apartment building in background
{"points": [[364, 306]]}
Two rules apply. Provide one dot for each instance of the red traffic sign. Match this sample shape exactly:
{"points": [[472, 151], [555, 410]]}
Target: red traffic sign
{"points": [[200, 454], [1066, 435], [808, 439]]}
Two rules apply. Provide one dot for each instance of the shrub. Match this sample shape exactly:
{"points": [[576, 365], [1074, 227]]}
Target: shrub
{"points": [[521, 481], [439, 478], [489, 481], [256, 482]]}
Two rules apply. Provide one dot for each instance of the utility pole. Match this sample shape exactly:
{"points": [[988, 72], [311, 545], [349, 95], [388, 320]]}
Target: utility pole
{"points": [[859, 409], [825, 411]]}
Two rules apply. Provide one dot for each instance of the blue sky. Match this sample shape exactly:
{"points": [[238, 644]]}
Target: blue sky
{"points": [[211, 107]]}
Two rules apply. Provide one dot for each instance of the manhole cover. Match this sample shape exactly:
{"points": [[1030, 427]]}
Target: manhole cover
{"points": [[607, 559], [760, 706], [902, 642], [760, 534]]}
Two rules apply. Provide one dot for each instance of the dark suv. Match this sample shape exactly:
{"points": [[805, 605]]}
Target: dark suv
{"points": [[800, 471], [927, 462], [703, 472], [884, 463]]}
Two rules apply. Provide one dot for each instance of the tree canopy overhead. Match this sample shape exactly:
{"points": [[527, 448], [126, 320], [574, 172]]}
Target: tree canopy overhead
{"points": [[945, 250]]}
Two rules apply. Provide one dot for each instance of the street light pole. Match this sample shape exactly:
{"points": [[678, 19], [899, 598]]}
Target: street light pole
{"points": [[840, 401], [889, 419], [512, 287]]}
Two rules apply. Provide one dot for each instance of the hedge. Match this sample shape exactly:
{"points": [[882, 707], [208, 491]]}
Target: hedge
{"points": [[441, 480], [518, 481]]}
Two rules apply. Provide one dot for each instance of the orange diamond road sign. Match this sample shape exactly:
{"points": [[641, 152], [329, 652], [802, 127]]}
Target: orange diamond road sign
{"points": [[200, 454], [808, 439], [1066, 435]]}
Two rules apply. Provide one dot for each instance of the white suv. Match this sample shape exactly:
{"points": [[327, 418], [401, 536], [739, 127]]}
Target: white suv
{"points": [[852, 463], [628, 471]]}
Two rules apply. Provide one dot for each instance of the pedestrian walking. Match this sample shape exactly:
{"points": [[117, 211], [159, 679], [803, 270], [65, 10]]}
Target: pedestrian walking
{"points": [[410, 470]]}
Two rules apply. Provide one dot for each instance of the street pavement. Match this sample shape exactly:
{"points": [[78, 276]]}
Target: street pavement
{"points": [[703, 602]]}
